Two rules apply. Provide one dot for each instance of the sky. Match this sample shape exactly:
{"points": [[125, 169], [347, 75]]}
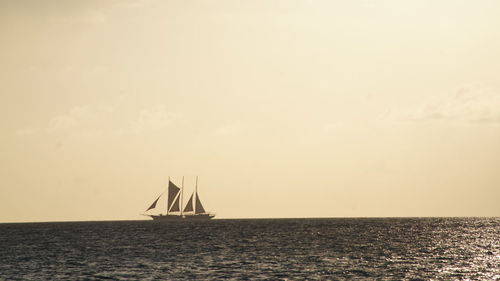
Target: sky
{"points": [[282, 108]]}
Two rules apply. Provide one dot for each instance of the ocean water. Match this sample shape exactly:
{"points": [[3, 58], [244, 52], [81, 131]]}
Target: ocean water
{"points": [[270, 249]]}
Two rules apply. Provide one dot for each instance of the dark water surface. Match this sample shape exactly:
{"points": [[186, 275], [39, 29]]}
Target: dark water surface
{"points": [[278, 249]]}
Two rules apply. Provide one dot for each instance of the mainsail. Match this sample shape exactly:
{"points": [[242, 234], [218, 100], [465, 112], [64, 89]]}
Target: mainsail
{"points": [[175, 205], [189, 205], [154, 203], [198, 208], [173, 191]]}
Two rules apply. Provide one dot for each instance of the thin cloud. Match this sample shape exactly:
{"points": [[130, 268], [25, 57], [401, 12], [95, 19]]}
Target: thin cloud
{"points": [[471, 104], [153, 119], [332, 127], [227, 130], [92, 121], [76, 117], [27, 131], [87, 17]]}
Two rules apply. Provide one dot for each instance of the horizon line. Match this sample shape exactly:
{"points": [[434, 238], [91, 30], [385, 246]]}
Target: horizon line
{"points": [[256, 218]]}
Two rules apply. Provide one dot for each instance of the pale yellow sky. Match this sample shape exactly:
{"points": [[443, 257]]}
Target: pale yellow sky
{"points": [[282, 108]]}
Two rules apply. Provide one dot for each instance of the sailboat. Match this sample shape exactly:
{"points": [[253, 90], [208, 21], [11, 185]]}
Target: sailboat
{"points": [[192, 211]]}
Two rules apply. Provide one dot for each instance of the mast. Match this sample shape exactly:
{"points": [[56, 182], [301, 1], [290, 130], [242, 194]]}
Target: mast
{"points": [[198, 209], [196, 193], [168, 191], [182, 192]]}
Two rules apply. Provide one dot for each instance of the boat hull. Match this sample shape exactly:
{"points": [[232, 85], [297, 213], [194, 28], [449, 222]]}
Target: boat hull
{"points": [[199, 217], [166, 218], [173, 218]]}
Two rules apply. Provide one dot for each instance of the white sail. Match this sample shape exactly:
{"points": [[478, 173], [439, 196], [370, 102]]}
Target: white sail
{"points": [[189, 205], [198, 208]]}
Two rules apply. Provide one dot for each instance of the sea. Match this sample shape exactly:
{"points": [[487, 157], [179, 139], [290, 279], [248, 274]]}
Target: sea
{"points": [[254, 249]]}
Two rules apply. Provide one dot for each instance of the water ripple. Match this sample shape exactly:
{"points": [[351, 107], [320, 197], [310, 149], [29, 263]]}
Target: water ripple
{"points": [[288, 249]]}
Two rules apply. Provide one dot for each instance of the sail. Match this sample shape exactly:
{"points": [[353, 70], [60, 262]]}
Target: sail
{"points": [[198, 208], [175, 205], [154, 203], [189, 205], [173, 190]]}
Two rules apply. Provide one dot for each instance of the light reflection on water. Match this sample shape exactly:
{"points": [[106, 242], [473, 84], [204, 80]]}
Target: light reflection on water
{"points": [[322, 249]]}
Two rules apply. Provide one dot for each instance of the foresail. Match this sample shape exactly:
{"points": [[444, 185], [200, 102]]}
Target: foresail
{"points": [[198, 209], [173, 190], [189, 205], [154, 203]]}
